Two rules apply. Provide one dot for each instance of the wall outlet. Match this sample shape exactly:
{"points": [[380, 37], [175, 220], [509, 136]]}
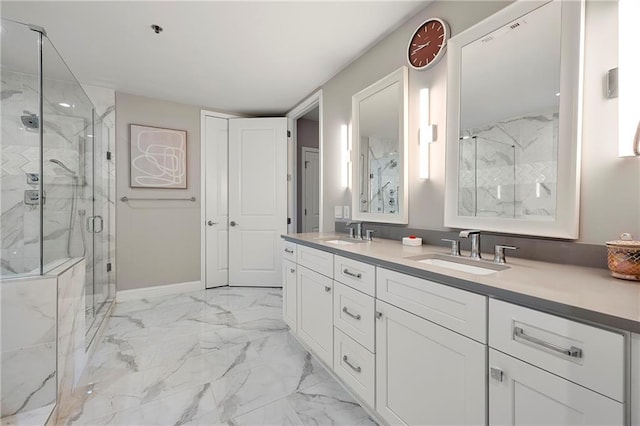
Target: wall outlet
{"points": [[347, 212], [337, 212]]}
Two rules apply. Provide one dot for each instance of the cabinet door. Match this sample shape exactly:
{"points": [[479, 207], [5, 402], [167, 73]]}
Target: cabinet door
{"points": [[289, 293], [521, 394], [315, 312], [427, 374]]}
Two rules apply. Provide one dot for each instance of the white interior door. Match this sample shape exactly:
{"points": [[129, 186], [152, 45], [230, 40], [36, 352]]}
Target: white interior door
{"points": [[257, 200], [310, 190], [216, 199]]}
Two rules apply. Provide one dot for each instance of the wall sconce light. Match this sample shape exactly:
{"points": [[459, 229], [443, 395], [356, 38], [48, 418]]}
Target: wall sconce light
{"points": [[427, 134], [629, 84], [346, 154]]}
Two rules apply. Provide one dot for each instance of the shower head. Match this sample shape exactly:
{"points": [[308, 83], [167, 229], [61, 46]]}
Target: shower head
{"points": [[30, 121], [63, 166]]}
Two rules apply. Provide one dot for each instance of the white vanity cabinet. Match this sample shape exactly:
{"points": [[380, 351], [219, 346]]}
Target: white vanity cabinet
{"points": [[419, 352], [289, 293], [549, 370], [425, 373], [289, 285], [315, 301], [521, 394]]}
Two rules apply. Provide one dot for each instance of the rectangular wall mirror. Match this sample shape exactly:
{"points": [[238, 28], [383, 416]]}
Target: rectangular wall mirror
{"points": [[514, 121], [379, 153]]}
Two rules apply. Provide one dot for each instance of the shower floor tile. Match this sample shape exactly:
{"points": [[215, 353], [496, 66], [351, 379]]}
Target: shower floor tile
{"points": [[219, 356]]}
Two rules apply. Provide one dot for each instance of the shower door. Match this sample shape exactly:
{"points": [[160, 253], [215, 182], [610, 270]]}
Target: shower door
{"points": [[97, 278]]}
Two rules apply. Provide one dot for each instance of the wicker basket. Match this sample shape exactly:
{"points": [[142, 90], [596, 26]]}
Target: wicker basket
{"points": [[623, 258]]}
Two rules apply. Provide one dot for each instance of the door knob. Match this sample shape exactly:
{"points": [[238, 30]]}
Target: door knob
{"points": [[211, 223], [234, 223]]}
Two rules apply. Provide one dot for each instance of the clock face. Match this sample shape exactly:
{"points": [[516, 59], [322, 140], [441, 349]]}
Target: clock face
{"points": [[428, 44]]}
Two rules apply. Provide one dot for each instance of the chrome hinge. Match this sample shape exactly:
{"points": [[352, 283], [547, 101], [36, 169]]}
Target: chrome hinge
{"points": [[109, 267], [289, 177], [108, 155], [288, 133]]}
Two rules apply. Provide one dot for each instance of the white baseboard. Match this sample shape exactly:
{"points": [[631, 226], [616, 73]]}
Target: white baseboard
{"points": [[161, 290]]}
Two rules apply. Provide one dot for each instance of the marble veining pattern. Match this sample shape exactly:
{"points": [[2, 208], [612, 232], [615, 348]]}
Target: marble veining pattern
{"points": [[219, 356], [510, 168]]}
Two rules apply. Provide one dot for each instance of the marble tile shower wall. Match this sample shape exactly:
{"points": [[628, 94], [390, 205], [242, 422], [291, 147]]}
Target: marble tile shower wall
{"points": [[514, 172], [383, 175], [64, 140]]}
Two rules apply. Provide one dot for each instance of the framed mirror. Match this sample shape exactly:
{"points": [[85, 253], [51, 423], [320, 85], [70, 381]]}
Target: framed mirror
{"points": [[514, 121], [379, 150]]}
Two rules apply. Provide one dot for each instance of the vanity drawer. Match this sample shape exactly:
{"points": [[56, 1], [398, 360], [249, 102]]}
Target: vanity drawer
{"points": [[353, 273], [316, 260], [289, 251], [458, 310], [587, 355], [355, 365], [353, 313]]}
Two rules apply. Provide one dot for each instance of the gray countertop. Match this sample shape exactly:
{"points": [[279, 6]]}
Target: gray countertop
{"points": [[587, 294]]}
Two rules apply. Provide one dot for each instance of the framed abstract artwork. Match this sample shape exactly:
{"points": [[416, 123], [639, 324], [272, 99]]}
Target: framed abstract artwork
{"points": [[158, 157]]}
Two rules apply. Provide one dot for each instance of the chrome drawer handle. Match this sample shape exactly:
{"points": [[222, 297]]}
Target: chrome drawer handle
{"points": [[355, 317], [327, 288], [353, 367], [288, 251], [293, 271], [351, 274], [572, 352]]}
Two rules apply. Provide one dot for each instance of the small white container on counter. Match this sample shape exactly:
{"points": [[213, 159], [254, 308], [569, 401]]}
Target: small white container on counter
{"points": [[412, 240]]}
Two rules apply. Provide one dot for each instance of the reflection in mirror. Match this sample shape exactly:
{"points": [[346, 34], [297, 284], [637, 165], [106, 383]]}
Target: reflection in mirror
{"points": [[379, 171], [509, 114], [380, 150], [514, 110]]}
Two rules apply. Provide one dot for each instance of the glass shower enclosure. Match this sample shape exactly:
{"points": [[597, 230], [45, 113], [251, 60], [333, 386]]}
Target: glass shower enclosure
{"points": [[54, 184]]}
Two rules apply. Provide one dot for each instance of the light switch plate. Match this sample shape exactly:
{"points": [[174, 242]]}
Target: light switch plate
{"points": [[337, 212], [347, 212]]}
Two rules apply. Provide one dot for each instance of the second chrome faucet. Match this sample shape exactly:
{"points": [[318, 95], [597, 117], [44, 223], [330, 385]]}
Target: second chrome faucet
{"points": [[474, 236]]}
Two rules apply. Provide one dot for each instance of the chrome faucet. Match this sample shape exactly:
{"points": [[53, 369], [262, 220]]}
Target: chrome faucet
{"points": [[474, 235], [355, 232]]}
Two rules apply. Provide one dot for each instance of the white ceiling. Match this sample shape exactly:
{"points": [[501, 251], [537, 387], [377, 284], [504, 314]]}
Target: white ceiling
{"points": [[249, 57]]}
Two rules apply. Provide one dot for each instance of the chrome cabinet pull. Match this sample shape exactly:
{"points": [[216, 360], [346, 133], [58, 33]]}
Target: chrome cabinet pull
{"points": [[327, 288], [351, 274], [353, 367], [211, 223], [293, 271], [496, 374], [378, 314], [288, 251], [572, 352], [355, 317]]}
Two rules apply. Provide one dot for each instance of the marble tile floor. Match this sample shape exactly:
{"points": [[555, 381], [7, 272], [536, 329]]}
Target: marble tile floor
{"points": [[212, 357]]}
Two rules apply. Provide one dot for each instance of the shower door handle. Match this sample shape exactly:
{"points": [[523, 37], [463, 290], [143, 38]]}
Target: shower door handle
{"points": [[91, 224], [101, 224]]}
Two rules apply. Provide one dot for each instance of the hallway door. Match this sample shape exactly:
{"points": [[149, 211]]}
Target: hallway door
{"points": [[216, 199], [310, 190], [257, 200]]}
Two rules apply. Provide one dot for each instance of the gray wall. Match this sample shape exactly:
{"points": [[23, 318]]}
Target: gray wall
{"points": [[308, 136], [157, 242], [605, 211]]}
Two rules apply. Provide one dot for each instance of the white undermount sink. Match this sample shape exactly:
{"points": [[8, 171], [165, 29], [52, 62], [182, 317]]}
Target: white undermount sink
{"points": [[340, 242], [460, 264], [343, 241]]}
